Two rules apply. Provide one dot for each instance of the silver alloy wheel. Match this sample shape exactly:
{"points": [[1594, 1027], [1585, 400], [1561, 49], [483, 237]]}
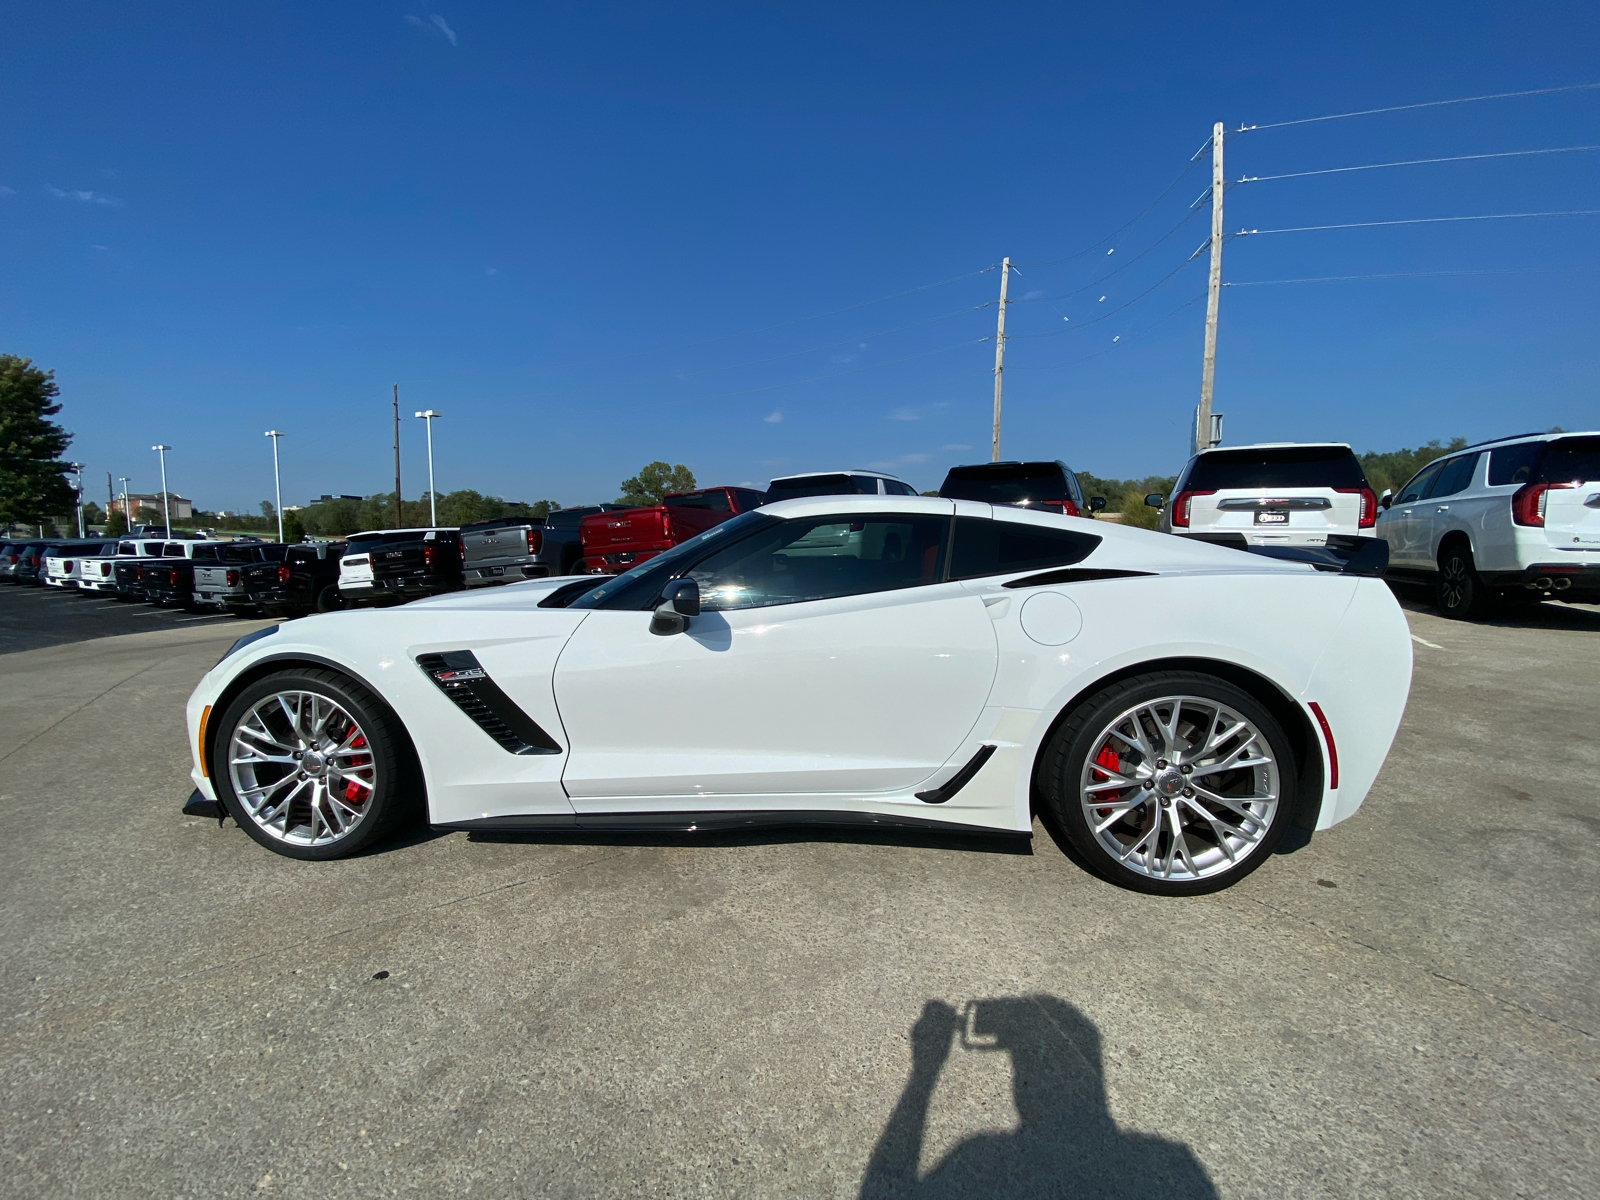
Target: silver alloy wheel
{"points": [[1180, 788], [302, 768]]}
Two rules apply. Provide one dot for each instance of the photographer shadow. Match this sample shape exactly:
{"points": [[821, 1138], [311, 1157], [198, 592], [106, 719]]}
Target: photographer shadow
{"points": [[1068, 1144]]}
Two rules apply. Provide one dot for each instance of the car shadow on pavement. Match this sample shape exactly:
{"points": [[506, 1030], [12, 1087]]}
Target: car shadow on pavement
{"points": [[1067, 1143], [971, 843], [1507, 615]]}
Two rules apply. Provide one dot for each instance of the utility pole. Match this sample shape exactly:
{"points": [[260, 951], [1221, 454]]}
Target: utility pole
{"points": [[78, 470], [111, 496], [399, 522], [277, 480], [1208, 371], [166, 506], [1000, 355], [127, 515], [433, 496]]}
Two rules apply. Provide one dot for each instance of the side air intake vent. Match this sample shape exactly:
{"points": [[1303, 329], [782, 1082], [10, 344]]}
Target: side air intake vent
{"points": [[461, 677]]}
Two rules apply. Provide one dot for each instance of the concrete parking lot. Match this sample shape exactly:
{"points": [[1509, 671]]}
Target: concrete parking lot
{"points": [[1405, 1006]]}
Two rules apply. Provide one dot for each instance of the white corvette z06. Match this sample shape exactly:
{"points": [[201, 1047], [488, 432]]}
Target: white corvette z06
{"points": [[1172, 707]]}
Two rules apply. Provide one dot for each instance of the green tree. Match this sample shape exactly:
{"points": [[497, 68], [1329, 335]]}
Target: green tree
{"points": [[543, 508], [293, 531], [93, 514], [33, 482], [655, 481], [116, 524], [145, 515], [1394, 468]]}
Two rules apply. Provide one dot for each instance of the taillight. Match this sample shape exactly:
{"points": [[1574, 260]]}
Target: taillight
{"points": [[172, 576], [1369, 506], [430, 555], [535, 541], [1181, 505], [138, 575], [1065, 507], [283, 574], [1527, 502], [233, 578], [105, 568], [66, 566]]}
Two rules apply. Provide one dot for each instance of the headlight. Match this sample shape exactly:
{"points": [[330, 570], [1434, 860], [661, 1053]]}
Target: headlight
{"points": [[250, 637]]}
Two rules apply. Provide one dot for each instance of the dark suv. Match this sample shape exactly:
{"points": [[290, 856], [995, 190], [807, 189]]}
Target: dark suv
{"points": [[1049, 486]]}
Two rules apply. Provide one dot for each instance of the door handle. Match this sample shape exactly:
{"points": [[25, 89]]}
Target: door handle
{"points": [[1442, 508]]}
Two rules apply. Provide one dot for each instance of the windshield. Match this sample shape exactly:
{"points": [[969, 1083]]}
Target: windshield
{"points": [[822, 485], [1276, 467], [1008, 483], [639, 587]]}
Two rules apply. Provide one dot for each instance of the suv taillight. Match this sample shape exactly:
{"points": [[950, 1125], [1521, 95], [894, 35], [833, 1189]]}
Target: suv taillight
{"points": [[284, 573], [1065, 507], [233, 579], [1369, 506], [535, 541], [1181, 505], [1527, 502]]}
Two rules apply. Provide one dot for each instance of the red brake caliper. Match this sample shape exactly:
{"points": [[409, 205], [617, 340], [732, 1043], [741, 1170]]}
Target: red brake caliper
{"points": [[1111, 761], [355, 792]]}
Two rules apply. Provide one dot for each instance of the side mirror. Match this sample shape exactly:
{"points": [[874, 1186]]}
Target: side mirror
{"points": [[1155, 500], [1385, 500], [1097, 503], [680, 600]]}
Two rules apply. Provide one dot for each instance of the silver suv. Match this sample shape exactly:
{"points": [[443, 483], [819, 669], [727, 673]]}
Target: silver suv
{"points": [[1514, 519]]}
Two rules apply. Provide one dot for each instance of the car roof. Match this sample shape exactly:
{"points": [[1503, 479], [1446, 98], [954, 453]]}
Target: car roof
{"points": [[1281, 446], [1530, 437], [846, 471]]}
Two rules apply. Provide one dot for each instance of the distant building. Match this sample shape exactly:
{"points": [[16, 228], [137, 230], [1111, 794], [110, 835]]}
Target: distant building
{"points": [[325, 497], [181, 509]]}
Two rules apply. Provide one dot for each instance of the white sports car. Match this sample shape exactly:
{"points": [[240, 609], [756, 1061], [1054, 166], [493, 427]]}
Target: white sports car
{"points": [[1173, 707]]}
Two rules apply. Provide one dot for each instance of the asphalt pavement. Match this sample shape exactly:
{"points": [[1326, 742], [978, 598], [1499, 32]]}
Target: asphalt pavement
{"points": [[1406, 1005], [32, 617]]}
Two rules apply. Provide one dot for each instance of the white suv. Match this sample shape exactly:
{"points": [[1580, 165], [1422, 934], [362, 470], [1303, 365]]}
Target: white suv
{"points": [[1518, 518], [1274, 494]]}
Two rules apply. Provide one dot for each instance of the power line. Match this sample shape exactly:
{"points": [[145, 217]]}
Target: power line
{"points": [[1106, 315], [1415, 275], [1109, 274], [1581, 212], [1055, 262], [1414, 162], [1368, 112], [1116, 341]]}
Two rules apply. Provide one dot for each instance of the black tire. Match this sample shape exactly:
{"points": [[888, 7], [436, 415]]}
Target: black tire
{"points": [[1063, 765], [1459, 594], [329, 600], [396, 799]]}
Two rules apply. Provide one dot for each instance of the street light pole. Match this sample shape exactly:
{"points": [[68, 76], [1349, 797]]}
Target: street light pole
{"points": [[127, 515], [277, 480], [78, 469], [433, 495], [166, 507]]}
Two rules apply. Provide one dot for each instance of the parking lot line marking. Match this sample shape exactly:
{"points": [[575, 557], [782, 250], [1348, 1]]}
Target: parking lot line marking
{"points": [[1429, 645], [203, 617]]}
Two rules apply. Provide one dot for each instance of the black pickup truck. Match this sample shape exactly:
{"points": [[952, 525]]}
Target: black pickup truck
{"points": [[305, 579], [392, 566]]}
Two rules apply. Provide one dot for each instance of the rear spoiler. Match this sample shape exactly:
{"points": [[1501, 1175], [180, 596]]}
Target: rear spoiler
{"points": [[1344, 554]]}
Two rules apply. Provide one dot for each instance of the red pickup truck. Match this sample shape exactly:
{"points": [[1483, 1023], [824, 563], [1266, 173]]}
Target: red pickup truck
{"points": [[615, 541]]}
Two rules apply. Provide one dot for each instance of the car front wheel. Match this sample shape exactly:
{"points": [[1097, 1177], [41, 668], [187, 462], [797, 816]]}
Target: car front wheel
{"points": [[1172, 783], [312, 766]]}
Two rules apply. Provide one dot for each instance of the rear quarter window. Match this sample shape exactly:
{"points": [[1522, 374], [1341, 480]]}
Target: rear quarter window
{"points": [[1514, 464], [993, 547], [1276, 467]]}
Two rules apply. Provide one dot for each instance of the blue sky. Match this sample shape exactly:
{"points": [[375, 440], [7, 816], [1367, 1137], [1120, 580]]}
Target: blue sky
{"points": [[597, 235]]}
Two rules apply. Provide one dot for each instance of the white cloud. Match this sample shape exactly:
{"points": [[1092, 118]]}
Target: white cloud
{"points": [[84, 197], [443, 27], [956, 446], [841, 359], [94, 246], [915, 458], [774, 418], [416, 20], [1033, 295], [904, 414], [5, 191], [491, 270]]}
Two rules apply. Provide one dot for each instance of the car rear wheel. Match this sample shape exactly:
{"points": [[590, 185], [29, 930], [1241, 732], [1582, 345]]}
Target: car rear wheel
{"points": [[329, 600], [1172, 783], [1461, 594], [312, 766]]}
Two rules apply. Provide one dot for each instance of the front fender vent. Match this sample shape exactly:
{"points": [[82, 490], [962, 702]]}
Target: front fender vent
{"points": [[461, 677]]}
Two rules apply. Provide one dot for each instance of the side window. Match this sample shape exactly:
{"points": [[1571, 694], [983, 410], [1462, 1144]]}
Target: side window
{"points": [[895, 488], [1514, 464], [995, 547], [1420, 482], [865, 485], [822, 558], [1455, 477]]}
